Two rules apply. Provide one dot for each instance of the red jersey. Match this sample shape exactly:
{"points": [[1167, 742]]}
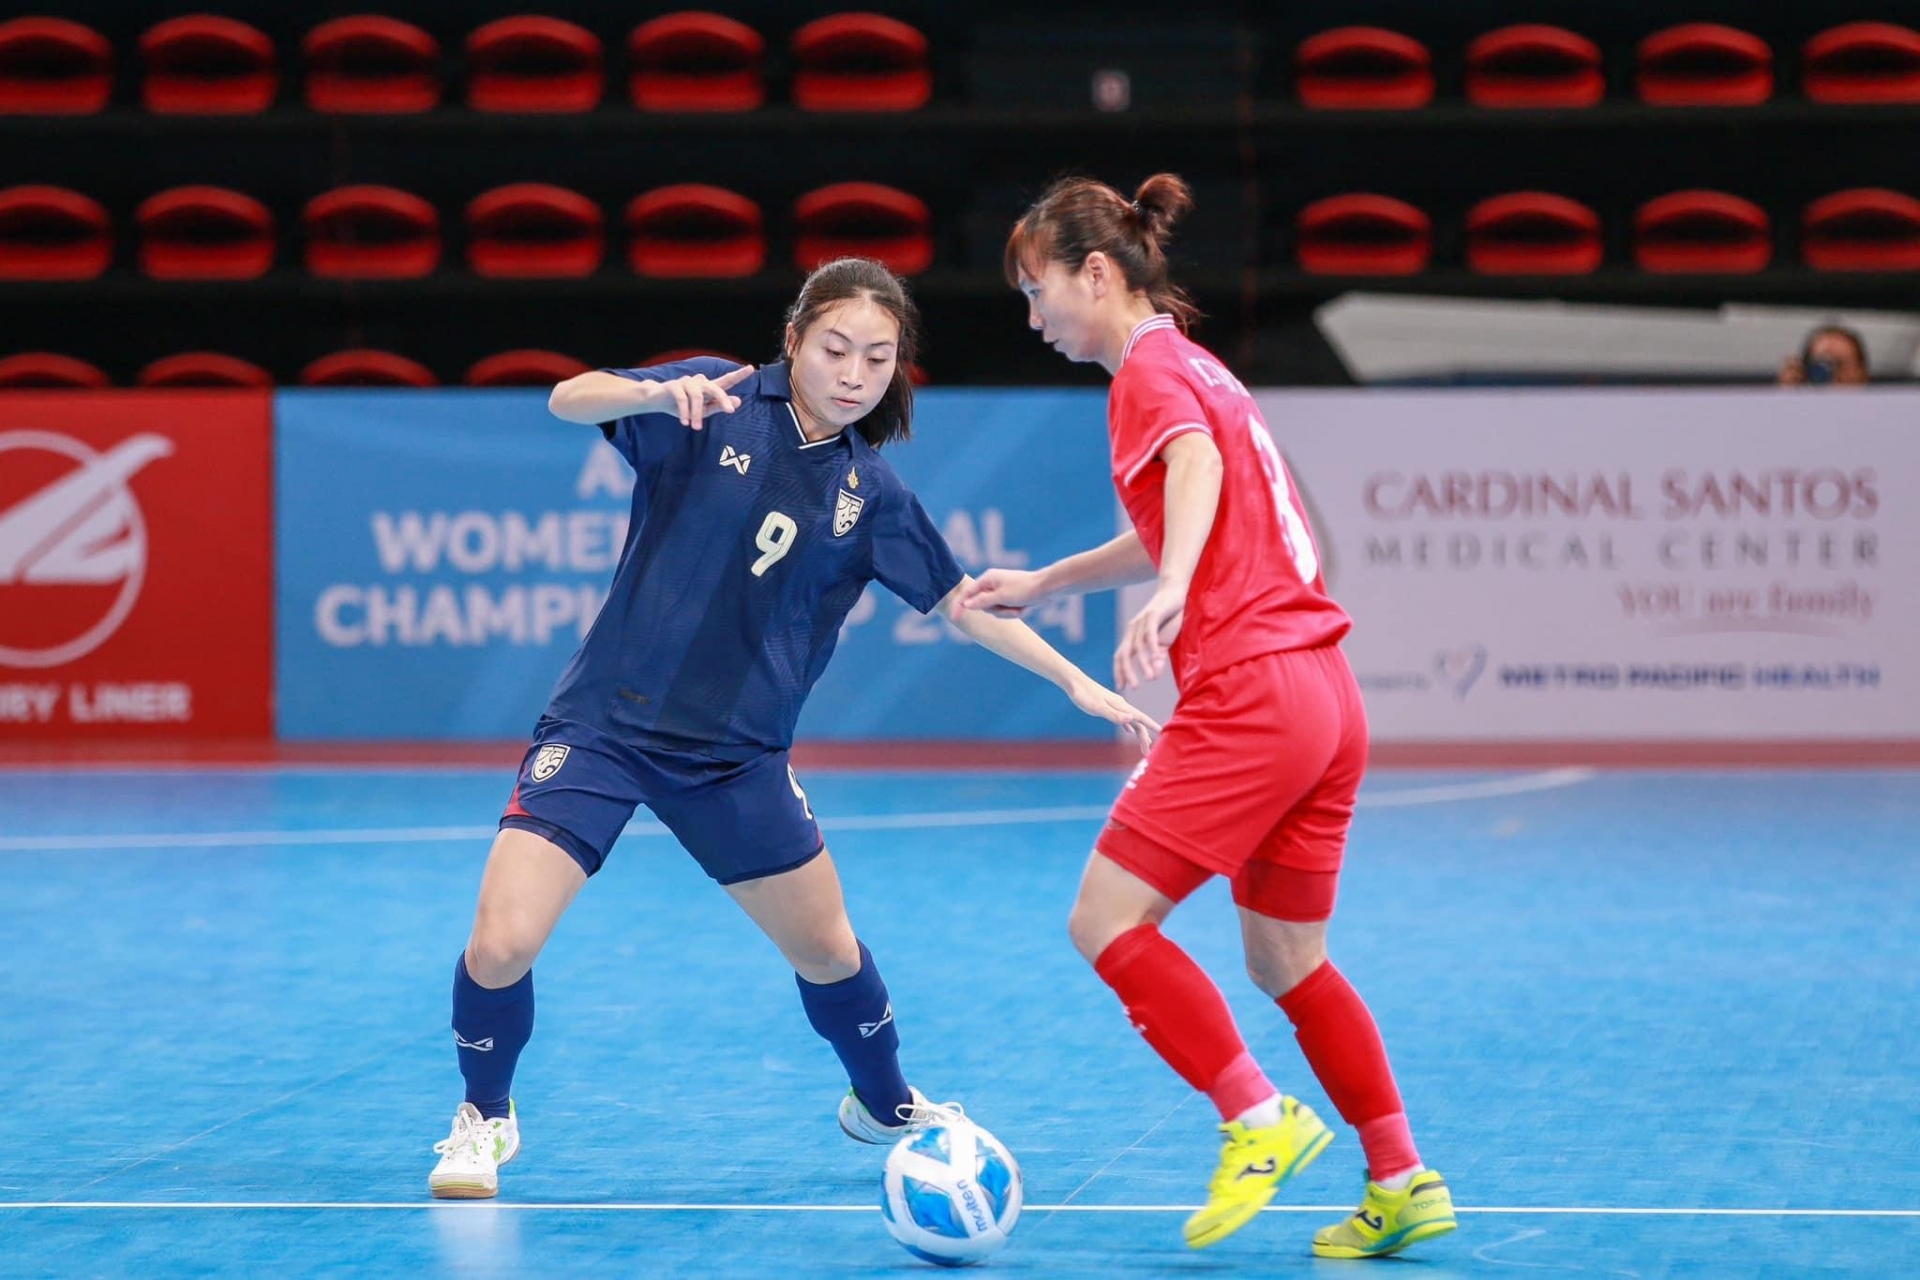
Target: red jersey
{"points": [[1258, 587]]}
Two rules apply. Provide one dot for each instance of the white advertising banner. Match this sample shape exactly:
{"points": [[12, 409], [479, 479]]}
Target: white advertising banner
{"points": [[1620, 566]]}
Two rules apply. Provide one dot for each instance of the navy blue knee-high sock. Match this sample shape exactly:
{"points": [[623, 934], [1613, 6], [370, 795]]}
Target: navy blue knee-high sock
{"points": [[490, 1028], [855, 1016]]}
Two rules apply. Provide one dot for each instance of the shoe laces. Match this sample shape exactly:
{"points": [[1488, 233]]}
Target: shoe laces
{"points": [[466, 1135], [1235, 1155], [1235, 1142], [923, 1113]]}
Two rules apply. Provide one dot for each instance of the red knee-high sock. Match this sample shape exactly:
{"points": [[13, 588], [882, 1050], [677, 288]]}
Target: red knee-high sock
{"points": [[1171, 1001], [1343, 1046]]}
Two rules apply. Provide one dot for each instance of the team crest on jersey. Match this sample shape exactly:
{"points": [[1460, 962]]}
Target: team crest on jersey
{"points": [[547, 761], [845, 512]]}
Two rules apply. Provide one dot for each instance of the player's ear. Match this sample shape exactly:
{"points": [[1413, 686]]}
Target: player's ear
{"points": [[791, 343], [1097, 269]]}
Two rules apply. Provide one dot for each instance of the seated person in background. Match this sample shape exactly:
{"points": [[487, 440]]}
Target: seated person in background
{"points": [[1832, 354]]}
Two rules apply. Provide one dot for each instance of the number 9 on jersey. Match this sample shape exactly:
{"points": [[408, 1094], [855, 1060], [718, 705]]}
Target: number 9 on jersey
{"points": [[775, 539]]}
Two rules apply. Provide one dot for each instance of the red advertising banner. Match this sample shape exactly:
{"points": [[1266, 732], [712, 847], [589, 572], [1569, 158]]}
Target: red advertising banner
{"points": [[135, 565]]}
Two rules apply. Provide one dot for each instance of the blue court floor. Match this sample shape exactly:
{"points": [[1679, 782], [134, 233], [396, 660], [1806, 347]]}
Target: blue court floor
{"points": [[1647, 1024]]}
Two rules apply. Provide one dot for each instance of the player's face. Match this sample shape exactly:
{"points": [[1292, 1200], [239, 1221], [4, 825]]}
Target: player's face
{"points": [[1060, 305], [844, 362]]}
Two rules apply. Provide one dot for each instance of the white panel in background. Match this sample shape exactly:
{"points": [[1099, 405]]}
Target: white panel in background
{"points": [[1394, 338], [1619, 565]]}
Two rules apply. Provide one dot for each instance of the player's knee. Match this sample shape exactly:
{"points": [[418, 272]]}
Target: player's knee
{"points": [[824, 966], [1093, 929], [829, 955], [1278, 969], [1082, 933], [1097, 919], [498, 955], [1265, 974]]}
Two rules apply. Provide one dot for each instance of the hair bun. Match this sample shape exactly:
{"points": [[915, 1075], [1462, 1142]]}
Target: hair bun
{"points": [[1160, 202]]}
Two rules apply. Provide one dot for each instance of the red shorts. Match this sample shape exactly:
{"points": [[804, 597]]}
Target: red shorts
{"points": [[1254, 778]]}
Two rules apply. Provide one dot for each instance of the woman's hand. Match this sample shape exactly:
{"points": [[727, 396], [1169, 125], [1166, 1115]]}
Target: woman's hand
{"points": [[696, 395], [1142, 654], [1104, 704], [1005, 593]]}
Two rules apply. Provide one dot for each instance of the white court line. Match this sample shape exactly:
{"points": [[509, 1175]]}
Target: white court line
{"points": [[468, 1206], [227, 839], [1549, 780], [1491, 788]]}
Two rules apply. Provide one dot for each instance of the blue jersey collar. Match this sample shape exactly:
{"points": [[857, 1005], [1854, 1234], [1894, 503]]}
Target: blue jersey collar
{"points": [[776, 380], [776, 383]]}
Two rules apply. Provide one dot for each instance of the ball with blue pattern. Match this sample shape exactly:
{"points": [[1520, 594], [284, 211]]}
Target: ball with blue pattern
{"points": [[951, 1193]]}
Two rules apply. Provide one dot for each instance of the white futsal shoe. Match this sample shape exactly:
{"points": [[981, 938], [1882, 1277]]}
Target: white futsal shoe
{"points": [[471, 1157], [861, 1125]]}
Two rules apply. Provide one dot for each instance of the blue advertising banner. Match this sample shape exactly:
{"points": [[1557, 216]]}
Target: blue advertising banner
{"points": [[1013, 478], [441, 553]]}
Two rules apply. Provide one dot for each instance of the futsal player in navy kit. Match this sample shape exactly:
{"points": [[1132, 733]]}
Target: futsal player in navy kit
{"points": [[762, 510]]}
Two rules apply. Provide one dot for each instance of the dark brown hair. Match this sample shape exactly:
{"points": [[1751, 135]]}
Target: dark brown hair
{"points": [[1078, 216], [1851, 337], [844, 279]]}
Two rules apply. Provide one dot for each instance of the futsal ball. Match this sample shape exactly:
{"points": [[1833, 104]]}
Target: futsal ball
{"points": [[951, 1193]]}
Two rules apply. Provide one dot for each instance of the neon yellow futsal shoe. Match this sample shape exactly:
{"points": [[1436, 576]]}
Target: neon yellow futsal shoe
{"points": [[1255, 1163], [1389, 1221]]}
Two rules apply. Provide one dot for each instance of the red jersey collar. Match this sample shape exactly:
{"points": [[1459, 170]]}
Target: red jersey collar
{"points": [[1141, 330]]}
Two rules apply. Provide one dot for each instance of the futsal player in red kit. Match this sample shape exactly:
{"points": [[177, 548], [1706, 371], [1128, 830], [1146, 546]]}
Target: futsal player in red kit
{"points": [[1255, 776]]}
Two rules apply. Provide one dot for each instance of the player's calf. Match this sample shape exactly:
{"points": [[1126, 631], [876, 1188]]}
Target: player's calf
{"points": [[855, 1016]]}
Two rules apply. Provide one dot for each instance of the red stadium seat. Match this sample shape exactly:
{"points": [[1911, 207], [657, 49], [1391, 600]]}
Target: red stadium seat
{"points": [[201, 64], [45, 371], [204, 233], [860, 62], [685, 353], [1702, 64], [1533, 233], [695, 230], [203, 369], [49, 66], [362, 367], [524, 368], [371, 65], [1702, 231], [531, 229], [866, 220], [370, 232], [534, 64], [1363, 234], [1534, 65], [1863, 62], [1865, 229], [695, 62], [51, 233], [1363, 67]]}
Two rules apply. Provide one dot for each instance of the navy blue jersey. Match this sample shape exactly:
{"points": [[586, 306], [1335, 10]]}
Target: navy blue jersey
{"points": [[746, 549]]}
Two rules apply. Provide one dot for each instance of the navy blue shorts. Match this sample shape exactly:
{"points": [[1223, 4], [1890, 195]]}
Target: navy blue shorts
{"points": [[740, 820]]}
